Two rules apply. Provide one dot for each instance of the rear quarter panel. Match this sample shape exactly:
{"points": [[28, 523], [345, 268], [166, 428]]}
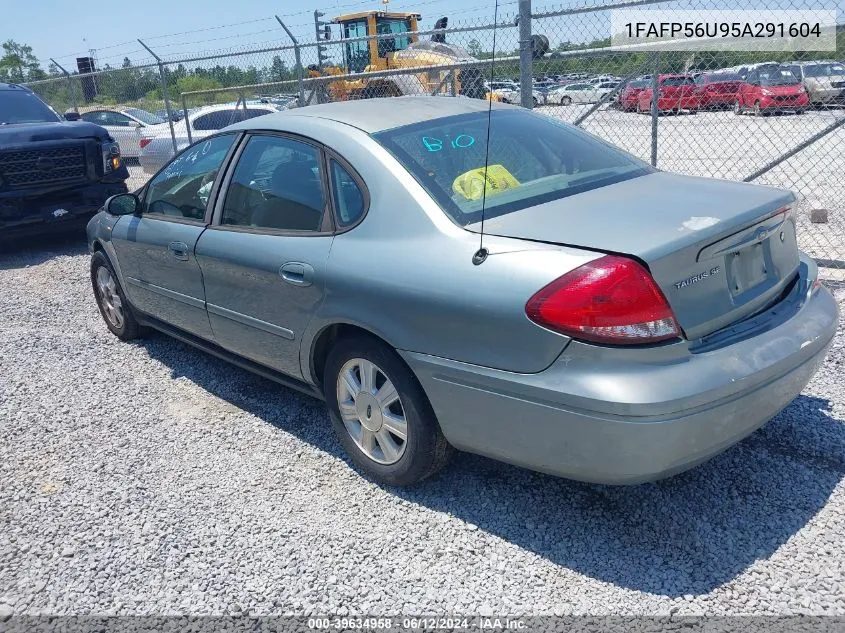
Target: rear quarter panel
{"points": [[405, 273]]}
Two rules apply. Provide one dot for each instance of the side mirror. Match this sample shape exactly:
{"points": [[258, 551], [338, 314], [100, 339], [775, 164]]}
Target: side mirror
{"points": [[70, 115], [123, 204]]}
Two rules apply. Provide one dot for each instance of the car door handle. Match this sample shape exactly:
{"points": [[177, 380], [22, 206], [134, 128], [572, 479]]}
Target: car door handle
{"points": [[179, 250], [297, 273]]}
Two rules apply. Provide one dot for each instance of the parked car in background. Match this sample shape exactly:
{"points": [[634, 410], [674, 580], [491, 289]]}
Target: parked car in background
{"points": [[623, 342], [771, 89], [580, 93], [674, 94], [126, 125], [629, 95], [824, 81], [717, 90], [176, 114], [157, 148], [537, 97], [54, 173]]}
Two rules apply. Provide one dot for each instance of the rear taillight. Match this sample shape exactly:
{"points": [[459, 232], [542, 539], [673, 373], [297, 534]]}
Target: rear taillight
{"points": [[611, 300], [144, 142]]}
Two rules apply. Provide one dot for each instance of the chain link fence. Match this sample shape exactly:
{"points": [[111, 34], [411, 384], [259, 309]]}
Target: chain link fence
{"points": [[693, 127]]}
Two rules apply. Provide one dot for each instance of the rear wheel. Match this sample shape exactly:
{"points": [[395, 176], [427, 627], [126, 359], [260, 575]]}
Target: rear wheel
{"points": [[757, 110], [381, 414], [114, 308], [737, 107], [565, 101]]}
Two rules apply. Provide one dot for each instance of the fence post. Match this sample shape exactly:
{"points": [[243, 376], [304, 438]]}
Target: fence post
{"points": [[298, 58], [655, 112], [185, 115], [526, 72], [165, 94], [71, 89]]}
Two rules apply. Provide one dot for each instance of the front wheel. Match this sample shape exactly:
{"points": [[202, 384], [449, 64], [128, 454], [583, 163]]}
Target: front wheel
{"points": [[381, 414], [114, 308], [737, 107], [565, 101], [757, 110]]}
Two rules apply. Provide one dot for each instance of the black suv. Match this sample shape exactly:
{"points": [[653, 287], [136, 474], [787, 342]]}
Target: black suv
{"points": [[54, 174]]}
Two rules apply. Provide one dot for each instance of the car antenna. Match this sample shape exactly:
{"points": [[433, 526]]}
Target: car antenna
{"points": [[481, 254]]}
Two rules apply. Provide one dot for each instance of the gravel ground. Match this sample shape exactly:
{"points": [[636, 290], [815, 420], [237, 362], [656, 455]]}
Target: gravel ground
{"points": [[150, 478]]}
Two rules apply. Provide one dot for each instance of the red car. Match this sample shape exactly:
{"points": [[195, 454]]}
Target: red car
{"points": [[630, 94], [717, 90], [770, 89], [674, 93]]}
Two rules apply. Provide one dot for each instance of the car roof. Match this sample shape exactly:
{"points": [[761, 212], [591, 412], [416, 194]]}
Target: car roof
{"points": [[377, 115]]}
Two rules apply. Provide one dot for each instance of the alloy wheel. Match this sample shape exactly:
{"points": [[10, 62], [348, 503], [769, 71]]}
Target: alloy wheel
{"points": [[109, 297], [372, 411]]}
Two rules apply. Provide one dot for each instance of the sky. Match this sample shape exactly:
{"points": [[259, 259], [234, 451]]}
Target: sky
{"points": [[177, 28]]}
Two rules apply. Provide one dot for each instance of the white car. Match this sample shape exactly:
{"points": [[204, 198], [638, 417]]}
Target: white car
{"points": [[580, 93], [126, 125], [157, 149], [515, 97]]}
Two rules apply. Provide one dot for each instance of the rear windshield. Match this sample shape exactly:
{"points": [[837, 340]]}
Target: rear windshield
{"points": [[145, 117], [639, 83], [20, 106], [533, 159], [824, 70]]}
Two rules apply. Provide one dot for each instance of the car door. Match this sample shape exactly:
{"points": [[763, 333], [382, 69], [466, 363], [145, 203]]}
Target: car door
{"points": [[156, 248], [263, 258], [122, 129], [747, 92]]}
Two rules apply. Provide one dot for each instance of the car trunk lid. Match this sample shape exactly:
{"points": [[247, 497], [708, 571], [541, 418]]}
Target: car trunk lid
{"points": [[720, 251]]}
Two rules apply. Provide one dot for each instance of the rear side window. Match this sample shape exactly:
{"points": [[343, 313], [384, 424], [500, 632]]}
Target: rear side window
{"points": [[277, 185], [533, 159], [348, 197], [215, 120]]}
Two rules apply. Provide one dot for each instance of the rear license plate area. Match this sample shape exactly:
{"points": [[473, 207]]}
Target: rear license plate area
{"points": [[747, 269]]}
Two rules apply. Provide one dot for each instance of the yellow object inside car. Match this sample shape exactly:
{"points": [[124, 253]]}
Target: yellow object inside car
{"points": [[470, 184]]}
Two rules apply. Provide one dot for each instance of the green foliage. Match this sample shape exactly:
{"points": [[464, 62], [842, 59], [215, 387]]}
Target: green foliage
{"points": [[18, 64]]}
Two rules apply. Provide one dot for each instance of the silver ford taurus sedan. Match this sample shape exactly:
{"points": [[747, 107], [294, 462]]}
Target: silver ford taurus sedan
{"points": [[613, 323]]}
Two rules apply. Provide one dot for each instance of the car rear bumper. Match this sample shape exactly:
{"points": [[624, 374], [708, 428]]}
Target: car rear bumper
{"points": [[621, 421]]}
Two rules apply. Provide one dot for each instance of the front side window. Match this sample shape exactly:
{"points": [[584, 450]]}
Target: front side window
{"points": [[182, 189], [390, 44], [116, 119], [277, 185], [533, 159]]}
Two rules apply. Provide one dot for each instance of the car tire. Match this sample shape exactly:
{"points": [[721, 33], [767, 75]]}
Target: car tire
{"points": [[799, 111], [376, 449], [565, 101], [114, 307], [737, 107], [757, 110]]}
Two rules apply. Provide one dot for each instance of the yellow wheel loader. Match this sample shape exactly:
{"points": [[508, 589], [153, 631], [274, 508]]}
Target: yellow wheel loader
{"points": [[404, 50]]}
